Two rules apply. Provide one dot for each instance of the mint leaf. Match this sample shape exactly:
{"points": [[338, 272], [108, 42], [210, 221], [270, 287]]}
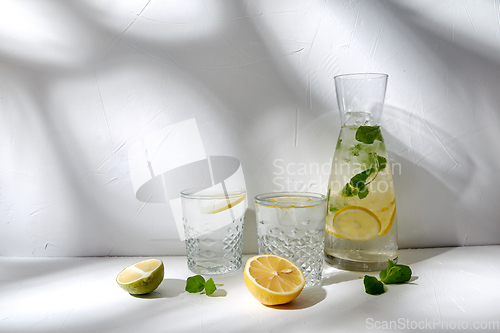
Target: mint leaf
{"points": [[368, 134], [382, 163], [358, 183], [195, 284], [373, 286], [363, 191], [359, 179], [395, 273], [355, 150], [210, 287], [348, 191]]}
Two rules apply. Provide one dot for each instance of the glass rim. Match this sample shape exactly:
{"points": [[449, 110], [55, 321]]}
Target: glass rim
{"points": [[361, 76], [194, 193], [265, 199]]}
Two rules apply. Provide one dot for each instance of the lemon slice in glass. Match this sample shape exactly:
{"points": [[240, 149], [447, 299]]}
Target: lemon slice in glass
{"points": [[272, 279], [290, 199], [224, 203], [355, 223], [142, 277], [293, 201]]}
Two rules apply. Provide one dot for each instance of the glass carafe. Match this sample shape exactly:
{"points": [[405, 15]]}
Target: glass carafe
{"points": [[361, 219]]}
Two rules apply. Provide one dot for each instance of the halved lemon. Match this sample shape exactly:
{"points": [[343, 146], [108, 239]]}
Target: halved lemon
{"points": [[142, 277], [355, 223], [272, 279]]}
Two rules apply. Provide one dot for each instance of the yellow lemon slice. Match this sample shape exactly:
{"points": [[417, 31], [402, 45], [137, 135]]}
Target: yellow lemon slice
{"points": [[295, 201], [272, 279], [142, 277], [290, 199], [381, 204], [221, 205], [387, 219], [355, 223]]}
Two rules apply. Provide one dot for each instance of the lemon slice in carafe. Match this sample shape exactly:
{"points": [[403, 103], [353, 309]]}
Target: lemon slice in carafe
{"points": [[355, 223]]}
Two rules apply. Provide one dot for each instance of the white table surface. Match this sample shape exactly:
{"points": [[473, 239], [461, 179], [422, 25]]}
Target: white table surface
{"points": [[454, 288]]}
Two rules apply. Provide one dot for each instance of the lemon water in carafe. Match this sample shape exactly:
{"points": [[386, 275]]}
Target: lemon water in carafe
{"points": [[361, 224]]}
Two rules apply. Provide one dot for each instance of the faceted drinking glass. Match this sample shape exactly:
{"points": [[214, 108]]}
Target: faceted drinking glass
{"points": [[213, 226], [292, 225]]}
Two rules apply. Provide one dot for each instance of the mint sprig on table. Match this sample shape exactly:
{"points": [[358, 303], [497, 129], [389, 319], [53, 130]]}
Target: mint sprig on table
{"points": [[394, 274], [373, 286], [196, 284]]}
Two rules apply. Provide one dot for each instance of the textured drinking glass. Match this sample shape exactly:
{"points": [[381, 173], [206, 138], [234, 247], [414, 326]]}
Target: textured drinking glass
{"points": [[292, 225], [213, 226], [361, 224]]}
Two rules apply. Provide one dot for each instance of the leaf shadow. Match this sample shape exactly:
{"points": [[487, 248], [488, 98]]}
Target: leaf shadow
{"points": [[413, 278], [219, 293]]}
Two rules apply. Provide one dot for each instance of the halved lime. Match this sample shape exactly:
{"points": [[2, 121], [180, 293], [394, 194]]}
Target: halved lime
{"points": [[142, 277]]}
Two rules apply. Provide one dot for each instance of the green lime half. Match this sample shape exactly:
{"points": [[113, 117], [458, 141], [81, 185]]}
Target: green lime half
{"points": [[142, 277]]}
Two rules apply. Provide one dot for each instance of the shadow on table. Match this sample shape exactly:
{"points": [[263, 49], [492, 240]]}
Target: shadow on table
{"points": [[334, 276], [169, 288], [307, 298], [414, 256]]}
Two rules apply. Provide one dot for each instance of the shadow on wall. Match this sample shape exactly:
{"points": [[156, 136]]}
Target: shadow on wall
{"points": [[134, 67], [427, 163], [95, 47], [425, 169], [250, 232], [450, 153]]}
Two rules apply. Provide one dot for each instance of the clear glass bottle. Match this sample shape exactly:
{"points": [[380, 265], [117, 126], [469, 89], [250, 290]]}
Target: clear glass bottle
{"points": [[361, 219]]}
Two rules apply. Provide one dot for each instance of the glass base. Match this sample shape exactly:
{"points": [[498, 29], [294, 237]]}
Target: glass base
{"points": [[213, 267], [357, 266]]}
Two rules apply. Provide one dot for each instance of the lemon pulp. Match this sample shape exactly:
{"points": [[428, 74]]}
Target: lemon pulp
{"points": [[355, 223], [272, 279]]}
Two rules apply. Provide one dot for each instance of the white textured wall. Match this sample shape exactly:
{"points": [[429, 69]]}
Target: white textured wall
{"points": [[81, 81]]}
